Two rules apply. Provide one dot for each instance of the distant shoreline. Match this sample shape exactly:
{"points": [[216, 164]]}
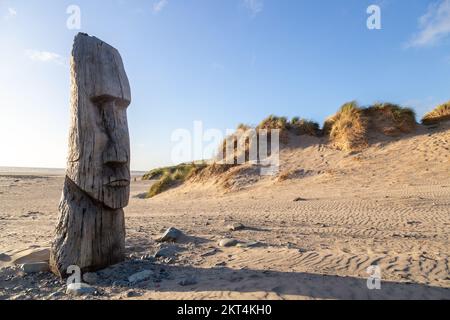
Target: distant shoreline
{"points": [[45, 171]]}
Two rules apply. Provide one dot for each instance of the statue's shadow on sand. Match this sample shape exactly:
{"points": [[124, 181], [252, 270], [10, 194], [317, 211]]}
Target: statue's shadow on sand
{"points": [[268, 284], [298, 284], [275, 283]]}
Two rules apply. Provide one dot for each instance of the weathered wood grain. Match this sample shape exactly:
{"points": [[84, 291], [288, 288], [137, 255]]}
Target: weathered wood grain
{"points": [[91, 230]]}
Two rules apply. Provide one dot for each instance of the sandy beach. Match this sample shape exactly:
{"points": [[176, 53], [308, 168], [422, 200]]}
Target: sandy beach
{"points": [[224, 150], [311, 236]]}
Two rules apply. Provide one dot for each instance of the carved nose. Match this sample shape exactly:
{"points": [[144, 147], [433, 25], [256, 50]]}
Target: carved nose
{"points": [[114, 120], [114, 155]]}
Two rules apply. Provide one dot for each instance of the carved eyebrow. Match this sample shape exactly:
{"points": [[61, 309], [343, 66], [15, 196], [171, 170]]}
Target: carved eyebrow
{"points": [[101, 100]]}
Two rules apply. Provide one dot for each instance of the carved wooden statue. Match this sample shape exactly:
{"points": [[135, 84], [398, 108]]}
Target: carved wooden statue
{"points": [[91, 228]]}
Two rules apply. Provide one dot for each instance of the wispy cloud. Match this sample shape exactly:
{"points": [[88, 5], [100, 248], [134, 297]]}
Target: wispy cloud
{"points": [[217, 66], [254, 6], [160, 5], [45, 56], [11, 14], [434, 25]]}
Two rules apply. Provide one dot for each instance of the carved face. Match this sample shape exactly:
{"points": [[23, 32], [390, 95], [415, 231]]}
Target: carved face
{"points": [[99, 149]]}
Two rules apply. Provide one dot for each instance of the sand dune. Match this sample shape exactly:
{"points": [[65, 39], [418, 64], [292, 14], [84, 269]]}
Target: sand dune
{"points": [[388, 206]]}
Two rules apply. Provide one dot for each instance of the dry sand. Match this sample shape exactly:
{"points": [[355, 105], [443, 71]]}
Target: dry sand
{"points": [[387, 206]]}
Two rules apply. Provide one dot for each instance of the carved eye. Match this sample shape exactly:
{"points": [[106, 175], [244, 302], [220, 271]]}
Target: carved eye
{"points": [[107, 101], [102, 101]]}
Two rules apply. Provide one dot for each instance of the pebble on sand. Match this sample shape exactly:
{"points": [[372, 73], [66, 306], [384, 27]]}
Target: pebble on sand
{"points": [[249, 244], [167, 252], [55, 295], [171, 235], [189, 281], [228, 242], [80, 289], [140, 276], [133, 294], [236, 227], [4, 257], [209, 253], [90, 278], [35, 267]]}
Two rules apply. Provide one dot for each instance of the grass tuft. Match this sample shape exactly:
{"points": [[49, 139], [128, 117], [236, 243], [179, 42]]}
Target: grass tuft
{"points": [[273, 122], [304, 127], [391, 119], [164, 183], [170, 177], [440, 114], [243, 127], [349, 128]]}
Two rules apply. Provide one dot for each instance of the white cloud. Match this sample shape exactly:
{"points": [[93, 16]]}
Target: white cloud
{"points": [[434, 25], [160, 5], [12, 13], [254, 6], [44, 56]]}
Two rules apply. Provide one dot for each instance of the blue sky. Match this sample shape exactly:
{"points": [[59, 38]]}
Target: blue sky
{"points": [[218, 61]]}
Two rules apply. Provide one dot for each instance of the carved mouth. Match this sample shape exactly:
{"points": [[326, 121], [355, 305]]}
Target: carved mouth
{"points": [[118, 183]]}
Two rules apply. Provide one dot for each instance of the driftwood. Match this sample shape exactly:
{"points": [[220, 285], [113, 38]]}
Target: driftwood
{"points": [[91, 230]]}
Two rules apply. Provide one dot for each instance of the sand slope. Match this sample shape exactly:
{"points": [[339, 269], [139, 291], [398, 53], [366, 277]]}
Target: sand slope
{"points": [[387, 206]]}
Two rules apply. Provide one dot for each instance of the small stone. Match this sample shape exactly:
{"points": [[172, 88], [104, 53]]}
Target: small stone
{"points": [[35, 267], [249, 244], [4, 257], [119, 284], [140, 276], [167, 252], [20, 297], [90, 278], [236, 227], [190, 281], [171, 235], [221, 264], [80, 289], [56, 295], [133, 294], [228, 243], [322, 225], [148, 257], [300, 199], [209, 253]]}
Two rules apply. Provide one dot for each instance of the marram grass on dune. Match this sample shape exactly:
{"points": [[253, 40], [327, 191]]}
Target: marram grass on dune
{"points": [[352, 129], [439, 114], [170, 177]]}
